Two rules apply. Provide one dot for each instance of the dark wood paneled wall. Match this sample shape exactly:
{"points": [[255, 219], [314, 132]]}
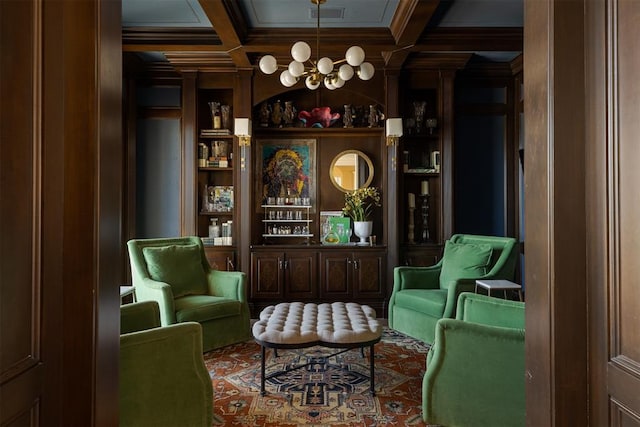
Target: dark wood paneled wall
{"points": [[613, 204], [582, 224], [61, 168]]}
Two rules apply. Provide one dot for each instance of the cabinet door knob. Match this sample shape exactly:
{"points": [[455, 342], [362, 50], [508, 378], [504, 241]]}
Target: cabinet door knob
{"points": [[356, 264], [280, 266], [230, 266], [286, 265]]}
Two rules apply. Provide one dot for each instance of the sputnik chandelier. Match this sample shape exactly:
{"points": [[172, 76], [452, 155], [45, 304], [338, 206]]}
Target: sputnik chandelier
{"points": [[322, 69]]}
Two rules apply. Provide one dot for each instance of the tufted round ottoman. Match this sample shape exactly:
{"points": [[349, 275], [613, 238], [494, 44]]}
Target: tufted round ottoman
{"points": [[299, 325]]}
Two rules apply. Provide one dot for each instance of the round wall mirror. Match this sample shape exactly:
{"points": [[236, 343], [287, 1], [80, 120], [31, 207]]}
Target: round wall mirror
{"points": [[350, 170]]}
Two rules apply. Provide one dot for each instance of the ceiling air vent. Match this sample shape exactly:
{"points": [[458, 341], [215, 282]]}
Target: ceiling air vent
{"points": [[327, 13]]}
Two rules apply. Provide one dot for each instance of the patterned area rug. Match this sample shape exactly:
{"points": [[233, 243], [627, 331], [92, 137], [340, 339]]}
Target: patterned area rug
{"points": [[329, 391]]}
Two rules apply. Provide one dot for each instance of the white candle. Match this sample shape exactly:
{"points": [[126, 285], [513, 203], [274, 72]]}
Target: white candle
{"points": [[412, 200], [425, 188]]}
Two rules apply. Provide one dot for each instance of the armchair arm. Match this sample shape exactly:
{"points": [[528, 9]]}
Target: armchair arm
{"points": [[150, 290], [163, 379], [456, 287], [416, 277], [139, 316], [228, 284], [475, 375]]}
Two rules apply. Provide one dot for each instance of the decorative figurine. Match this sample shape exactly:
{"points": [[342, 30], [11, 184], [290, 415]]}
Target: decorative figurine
{"points": [[289, 114], [347, 118], [265, 114], [276, 114]]}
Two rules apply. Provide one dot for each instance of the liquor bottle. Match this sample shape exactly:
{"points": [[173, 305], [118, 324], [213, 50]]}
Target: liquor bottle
{"points": [[217, 119]]}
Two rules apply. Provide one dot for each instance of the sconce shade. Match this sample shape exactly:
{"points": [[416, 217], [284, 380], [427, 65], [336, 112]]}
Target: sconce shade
{"points": [[394, 127], [242, 127]]}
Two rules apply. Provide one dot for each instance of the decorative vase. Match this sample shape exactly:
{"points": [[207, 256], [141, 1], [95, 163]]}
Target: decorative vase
{"points": [[362, 229]]}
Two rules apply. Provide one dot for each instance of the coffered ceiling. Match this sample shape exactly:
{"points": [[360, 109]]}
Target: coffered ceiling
{"points": [[233, 34]]}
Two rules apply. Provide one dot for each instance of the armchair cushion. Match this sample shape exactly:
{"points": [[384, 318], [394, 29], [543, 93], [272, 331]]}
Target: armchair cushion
{"points": [[179, 266], [431, 302], [201, 308], [464, 261]]}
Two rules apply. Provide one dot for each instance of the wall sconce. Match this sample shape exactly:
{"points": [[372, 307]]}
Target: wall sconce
{"points": [[393, 129], [242, 127]]}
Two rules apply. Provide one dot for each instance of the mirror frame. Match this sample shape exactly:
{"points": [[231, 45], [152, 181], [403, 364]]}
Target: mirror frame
{"points": [[359, 153]]}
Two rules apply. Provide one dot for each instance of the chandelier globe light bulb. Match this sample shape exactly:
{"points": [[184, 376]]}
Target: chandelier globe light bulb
{"points": [[311, 83], [300, 51], [345, 72], [287, 79], [325, 65], [354, 56], [328, 83], [338, 82], [366, 71], [268, 64], [296, 69]]}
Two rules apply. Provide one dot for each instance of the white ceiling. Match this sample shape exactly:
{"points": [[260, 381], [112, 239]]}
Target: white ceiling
{"points": [[333, 13], [163, 13], [298, 13]]}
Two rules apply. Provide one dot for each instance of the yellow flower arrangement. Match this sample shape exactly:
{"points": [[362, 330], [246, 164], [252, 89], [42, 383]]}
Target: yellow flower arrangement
{"points": [[359, 204]]}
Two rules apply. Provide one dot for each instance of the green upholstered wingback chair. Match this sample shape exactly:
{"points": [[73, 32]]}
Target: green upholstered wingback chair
{"points": [[423, 295], [163, 378], [475, 369], [175, 273]]}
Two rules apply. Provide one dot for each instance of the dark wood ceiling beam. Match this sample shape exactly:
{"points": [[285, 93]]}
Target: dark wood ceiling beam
{"points": [[470, 39], [410, 20], [172, 48], [334, 42], [169, 36], [202, 61], [268, 40], [223, 21], [425, 61], [408, 24]]}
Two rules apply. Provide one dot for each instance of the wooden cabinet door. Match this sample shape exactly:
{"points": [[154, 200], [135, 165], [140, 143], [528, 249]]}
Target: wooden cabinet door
{"points": [[300, 275], [368, 275], [220, 259], [267, 275], [422, 256], [335, 272]]}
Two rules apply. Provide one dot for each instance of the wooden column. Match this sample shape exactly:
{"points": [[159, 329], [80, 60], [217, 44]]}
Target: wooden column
{"points": [[555, 218]]}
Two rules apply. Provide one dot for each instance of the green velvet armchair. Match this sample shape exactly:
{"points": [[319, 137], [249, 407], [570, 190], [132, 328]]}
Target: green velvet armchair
{"points": [[423, 295], [163, 379], [475, 369], [175, 273]]}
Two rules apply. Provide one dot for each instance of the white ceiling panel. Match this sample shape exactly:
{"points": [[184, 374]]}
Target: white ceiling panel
{"points": [[333, 13], [163, 13]]}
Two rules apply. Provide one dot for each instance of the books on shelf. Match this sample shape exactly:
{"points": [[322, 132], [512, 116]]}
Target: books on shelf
{"points": [[215, 162], [214, 132]]}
